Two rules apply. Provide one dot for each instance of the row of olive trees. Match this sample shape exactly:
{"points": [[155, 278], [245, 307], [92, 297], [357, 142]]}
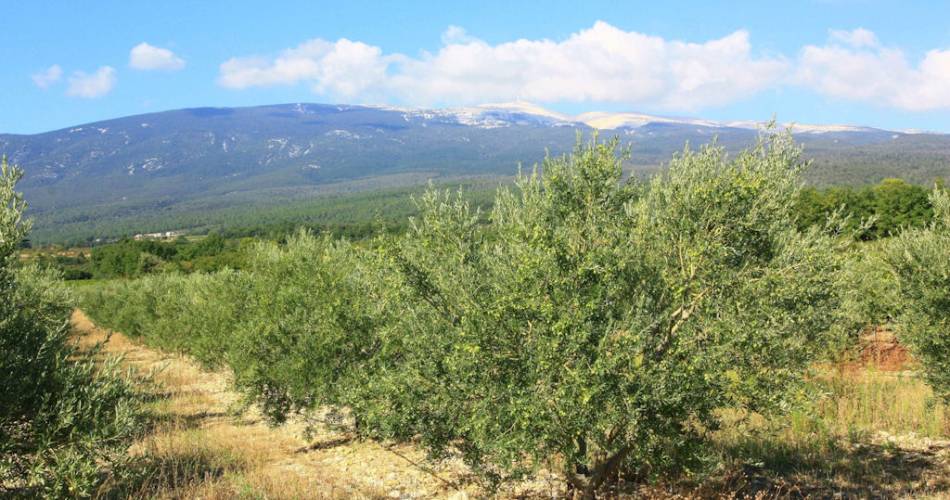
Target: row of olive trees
{"points": [[290, 327], [65, 422], [592, 325]]}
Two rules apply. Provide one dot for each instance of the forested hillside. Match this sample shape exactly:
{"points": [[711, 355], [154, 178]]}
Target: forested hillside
{"points": [[178, 169]]}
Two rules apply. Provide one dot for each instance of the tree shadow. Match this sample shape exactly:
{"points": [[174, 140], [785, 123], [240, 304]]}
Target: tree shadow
{"points": [[177, 474], [862, 470], [184, 421], [325, 445]]}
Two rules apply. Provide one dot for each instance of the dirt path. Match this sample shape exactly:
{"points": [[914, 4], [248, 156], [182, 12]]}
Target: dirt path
{"points": [[202, 448]]}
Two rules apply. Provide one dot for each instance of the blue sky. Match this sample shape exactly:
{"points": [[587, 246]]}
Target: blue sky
{"points": [[884, 64]]}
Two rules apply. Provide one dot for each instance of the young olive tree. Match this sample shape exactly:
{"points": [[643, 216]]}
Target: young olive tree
{"points": [[65, 423], [920, 261], [596, 324], [309, 328], [197, 314], [298, 327]]}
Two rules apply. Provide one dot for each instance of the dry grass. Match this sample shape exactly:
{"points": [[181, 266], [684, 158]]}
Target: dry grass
{"points": [[871, 434], [219, 462], [871, 400]]}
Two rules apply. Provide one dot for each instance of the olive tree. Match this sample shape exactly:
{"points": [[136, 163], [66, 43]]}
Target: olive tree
{"points": [[595, 323], [25, 336], [197, 314], [920, 261], [297, 327], [65, 422], [309, 326]]}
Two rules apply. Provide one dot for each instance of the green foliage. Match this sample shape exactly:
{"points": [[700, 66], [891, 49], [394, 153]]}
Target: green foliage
{"points": [[130, 258], [868, 296], [310, 327], [213, 244], [587, 323], [64, 420], [126, 259], [293, 326], [199, 314], [603, 322], [920, 261], [871, 212]]}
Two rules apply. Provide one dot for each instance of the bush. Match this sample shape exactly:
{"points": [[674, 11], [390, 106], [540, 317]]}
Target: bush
{"points": [[65, 422], [868, 294], [603, 322], [310, 325], [197, 314], [920, 260]]}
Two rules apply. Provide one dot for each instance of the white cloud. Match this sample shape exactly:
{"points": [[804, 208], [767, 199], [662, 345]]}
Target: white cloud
{"points": [[599, 64], [455, 34], [602, 64], [48, 77], [97, 84], [859, 37], [881, 75], [148, 57], [343, 68]]}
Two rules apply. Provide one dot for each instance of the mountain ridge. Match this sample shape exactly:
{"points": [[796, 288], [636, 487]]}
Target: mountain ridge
{"points": [[211, 157], [601, 120]]}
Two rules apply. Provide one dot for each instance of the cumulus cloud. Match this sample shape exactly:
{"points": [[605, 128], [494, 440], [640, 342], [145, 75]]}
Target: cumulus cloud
{"points": [[857, 67], [48, 77], [93, 85], [602, 64], [148, 57], [344, 68]]}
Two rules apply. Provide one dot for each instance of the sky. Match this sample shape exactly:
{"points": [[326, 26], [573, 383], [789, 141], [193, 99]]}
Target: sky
{"points": [[881, 64]]}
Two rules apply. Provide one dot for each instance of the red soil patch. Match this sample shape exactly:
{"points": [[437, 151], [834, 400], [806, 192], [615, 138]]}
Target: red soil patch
{"points": [[880, 348]]}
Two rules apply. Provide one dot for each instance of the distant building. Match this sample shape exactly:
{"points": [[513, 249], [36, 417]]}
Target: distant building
{"points": [[164, 235]]}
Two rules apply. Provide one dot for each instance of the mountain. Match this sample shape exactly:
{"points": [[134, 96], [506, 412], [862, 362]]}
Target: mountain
{"points": [[213, 158]]}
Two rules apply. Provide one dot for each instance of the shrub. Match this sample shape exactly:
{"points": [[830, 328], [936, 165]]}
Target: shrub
{"points": [[868, 293], [920, 261], [602, 321], [65, 421], [310, 325], [197, 314]]}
